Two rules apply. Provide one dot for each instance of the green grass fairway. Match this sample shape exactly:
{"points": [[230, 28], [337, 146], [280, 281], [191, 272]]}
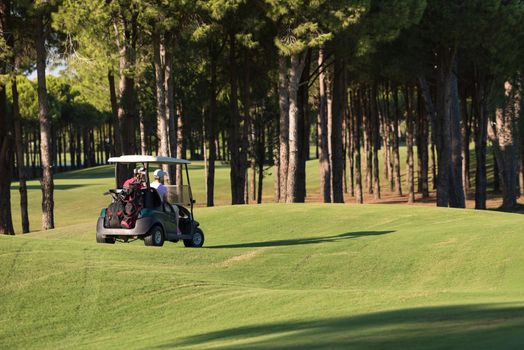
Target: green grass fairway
{"points": [[270, 276], [274, 276]]}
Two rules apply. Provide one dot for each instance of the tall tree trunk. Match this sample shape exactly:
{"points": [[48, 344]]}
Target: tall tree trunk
{"points": [[36, 153], [180, 151], [368, 141], [211, 132], [260, 158], [466, 135], [324, 162], [86, 147], [444, 138], [59, 151], [72, 150], [253, 179], [356, 136], [521, 170], [116, 145], [247, 135], [238, 154], [303, 128], [78, 148], [20, 157], [6, 137], [142, 126], [97, 139], [422, 147], [122, 117], [496, 172], [93, 145], [351, 144], [376, 142], [225, 154], [434, 175], [396, 142], [53, 145], [456, 196], [162, 134], [63, 148], [45, 128], [505, 140], [432, 112], [283, 101], [388, 158], [295, 72], [127, 108], [27, 148], [419, 127], [481, 128], [409, 143], [317, 136], [337, 155], [276, 161], [345, 142], [171, 114], [517, 104], [6, 163]]}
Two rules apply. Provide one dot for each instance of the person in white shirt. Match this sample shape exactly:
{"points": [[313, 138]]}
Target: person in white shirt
{"points": [[158, 184]]}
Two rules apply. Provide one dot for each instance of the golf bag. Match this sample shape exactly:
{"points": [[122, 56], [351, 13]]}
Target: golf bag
{"points": [[133, 200], [114, 213]]}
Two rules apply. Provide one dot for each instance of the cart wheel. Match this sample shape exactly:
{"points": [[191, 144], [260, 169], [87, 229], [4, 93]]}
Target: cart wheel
{"points": [[155, 237], [102, 239], [197, 241]]}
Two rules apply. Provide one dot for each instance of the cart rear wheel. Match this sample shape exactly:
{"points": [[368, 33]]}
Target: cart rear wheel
{"points": [[102, 239], [155, 237], [196, 241]]}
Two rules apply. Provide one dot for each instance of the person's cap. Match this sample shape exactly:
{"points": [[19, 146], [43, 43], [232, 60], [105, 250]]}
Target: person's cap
{"points": [[139, 171], [159, 173]]}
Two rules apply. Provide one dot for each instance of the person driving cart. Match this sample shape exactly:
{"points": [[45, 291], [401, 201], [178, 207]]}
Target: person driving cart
{"points": [[158, 184]]}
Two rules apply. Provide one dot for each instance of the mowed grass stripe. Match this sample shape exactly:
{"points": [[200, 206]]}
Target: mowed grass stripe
{"points": [[274, 276]]}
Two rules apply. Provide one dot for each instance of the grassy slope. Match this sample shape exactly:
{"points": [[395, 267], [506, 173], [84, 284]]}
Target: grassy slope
{"points": [[288, 276], [274, 276]]}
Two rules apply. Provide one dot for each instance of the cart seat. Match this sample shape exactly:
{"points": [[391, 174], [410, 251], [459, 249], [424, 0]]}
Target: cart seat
{"points": [[151, 198]]}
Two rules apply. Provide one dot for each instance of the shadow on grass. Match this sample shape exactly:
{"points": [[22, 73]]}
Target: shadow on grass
{"points": [[98, 172], [56, 186], [300, 241], [517, 209], [108, 171], [481, 326]]}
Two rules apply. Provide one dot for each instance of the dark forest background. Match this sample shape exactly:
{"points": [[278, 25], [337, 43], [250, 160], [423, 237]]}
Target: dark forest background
{"points": [[256, 83]]}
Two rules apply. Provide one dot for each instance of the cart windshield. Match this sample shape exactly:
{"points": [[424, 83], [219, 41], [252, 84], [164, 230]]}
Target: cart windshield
{"points": [[178, 194]]}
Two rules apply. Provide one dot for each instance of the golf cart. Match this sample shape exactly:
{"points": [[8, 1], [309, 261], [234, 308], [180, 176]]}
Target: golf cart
{"points": [[138, 212]]}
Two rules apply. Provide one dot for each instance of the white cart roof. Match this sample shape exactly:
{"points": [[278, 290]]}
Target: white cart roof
{"points": [[147, 159]]}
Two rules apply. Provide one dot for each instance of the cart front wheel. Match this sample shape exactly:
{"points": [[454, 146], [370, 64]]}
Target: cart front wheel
{"points": [[196, 241]]}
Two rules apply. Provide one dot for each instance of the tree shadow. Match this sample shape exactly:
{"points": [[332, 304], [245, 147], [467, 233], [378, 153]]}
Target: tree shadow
{"points": [[56, 186], [301, 241], [97, 172], [479, 326], [517, 209], [108, 171]]}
